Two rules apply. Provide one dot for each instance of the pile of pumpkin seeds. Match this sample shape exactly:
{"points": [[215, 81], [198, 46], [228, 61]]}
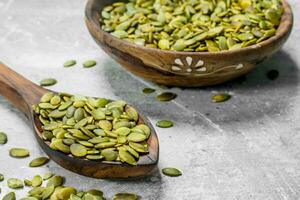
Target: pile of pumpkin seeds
{"points": [[51, 187], [193, 25], [92, 128]]}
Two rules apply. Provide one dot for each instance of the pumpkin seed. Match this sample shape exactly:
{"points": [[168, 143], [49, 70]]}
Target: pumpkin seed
{"points": [[3, 138], [78, 150], [15, 183], [47, 176], [273, 74], [136, 137], [164, 124], [148, 90], [38, 162], [27, 182], [18, 152], [218, 98], [36, 181], [170, 171], [10, 196], [48, 82], [55, 181], [125, 196], [48, 192], [127, 157], [1, 177], [109, 154], [166, 96], [94, 157], [89, 63], [70, 63]]}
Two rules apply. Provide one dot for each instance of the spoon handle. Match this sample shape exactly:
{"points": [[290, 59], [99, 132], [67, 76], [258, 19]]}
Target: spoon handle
{"points": [[21, 92]]}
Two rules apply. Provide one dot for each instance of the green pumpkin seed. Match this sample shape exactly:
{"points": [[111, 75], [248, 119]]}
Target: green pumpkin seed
{"points": [[18, 152], [27, 182], [47, 176], [15, 183], [9, 196], [66, 192], [89, 63], [136, 137], [55, 181], [48, 82], [36, 181], [109, 155], [74, 197], [70, 63], [164, 124], [48, 192], [170, 171], [166, 96], [3, 138], [222, 97], [94, 157], [127, 157], [125, 196], [148, 90], [38, 162], [78, 150], [1, 177]]}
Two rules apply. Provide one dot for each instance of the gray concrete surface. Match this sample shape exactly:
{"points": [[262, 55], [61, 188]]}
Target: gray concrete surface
{"points": [[246, 148]]}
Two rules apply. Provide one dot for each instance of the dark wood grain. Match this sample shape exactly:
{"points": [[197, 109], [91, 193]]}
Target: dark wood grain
{"points": [[22, 93], [156, 65]]}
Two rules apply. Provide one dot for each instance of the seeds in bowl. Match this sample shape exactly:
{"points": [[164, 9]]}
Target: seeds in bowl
{"points": [[92, 128], [193, 25]]}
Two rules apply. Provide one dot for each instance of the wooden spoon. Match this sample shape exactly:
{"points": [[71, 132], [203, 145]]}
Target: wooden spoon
{"points": [[22, 93]]}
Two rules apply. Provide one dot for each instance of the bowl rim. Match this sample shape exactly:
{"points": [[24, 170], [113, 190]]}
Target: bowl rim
{"points": [[284, 28]]}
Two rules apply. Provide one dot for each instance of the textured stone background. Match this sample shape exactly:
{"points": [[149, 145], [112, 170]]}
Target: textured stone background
{"points": [[246, 148]]}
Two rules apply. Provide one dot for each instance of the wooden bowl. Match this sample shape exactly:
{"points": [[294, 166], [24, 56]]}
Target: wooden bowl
{"points": [[188, 69]]}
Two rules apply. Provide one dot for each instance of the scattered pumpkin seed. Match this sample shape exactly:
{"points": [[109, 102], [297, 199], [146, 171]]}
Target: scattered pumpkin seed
{"points": [[221, 97], [36, 181], [27, 182], [15, 183], [47, 176], [55, 181], [18, 152], [148, 90], [89, 63], [38, 161], [170, 171], [166, 96], [70, 63], [48, 82], [273, 74], [164, 124], [125, 196], [1, 177], [3, 138], [10, 196]]}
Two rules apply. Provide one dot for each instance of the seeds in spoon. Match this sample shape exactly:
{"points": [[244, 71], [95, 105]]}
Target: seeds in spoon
{"points": [[125, 196], [148, 90], [92, 128], [70, 63], [221, 97], [89, 63], [170, 171], [38, 161], [164, 124], [48, 82], [18, 152], [15, 183], [3, 138], [10, 196], [166, 96]]}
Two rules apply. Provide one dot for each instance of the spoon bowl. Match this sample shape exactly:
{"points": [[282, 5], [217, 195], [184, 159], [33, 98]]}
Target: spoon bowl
{"points": [[22, 93], [187, 69]]}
